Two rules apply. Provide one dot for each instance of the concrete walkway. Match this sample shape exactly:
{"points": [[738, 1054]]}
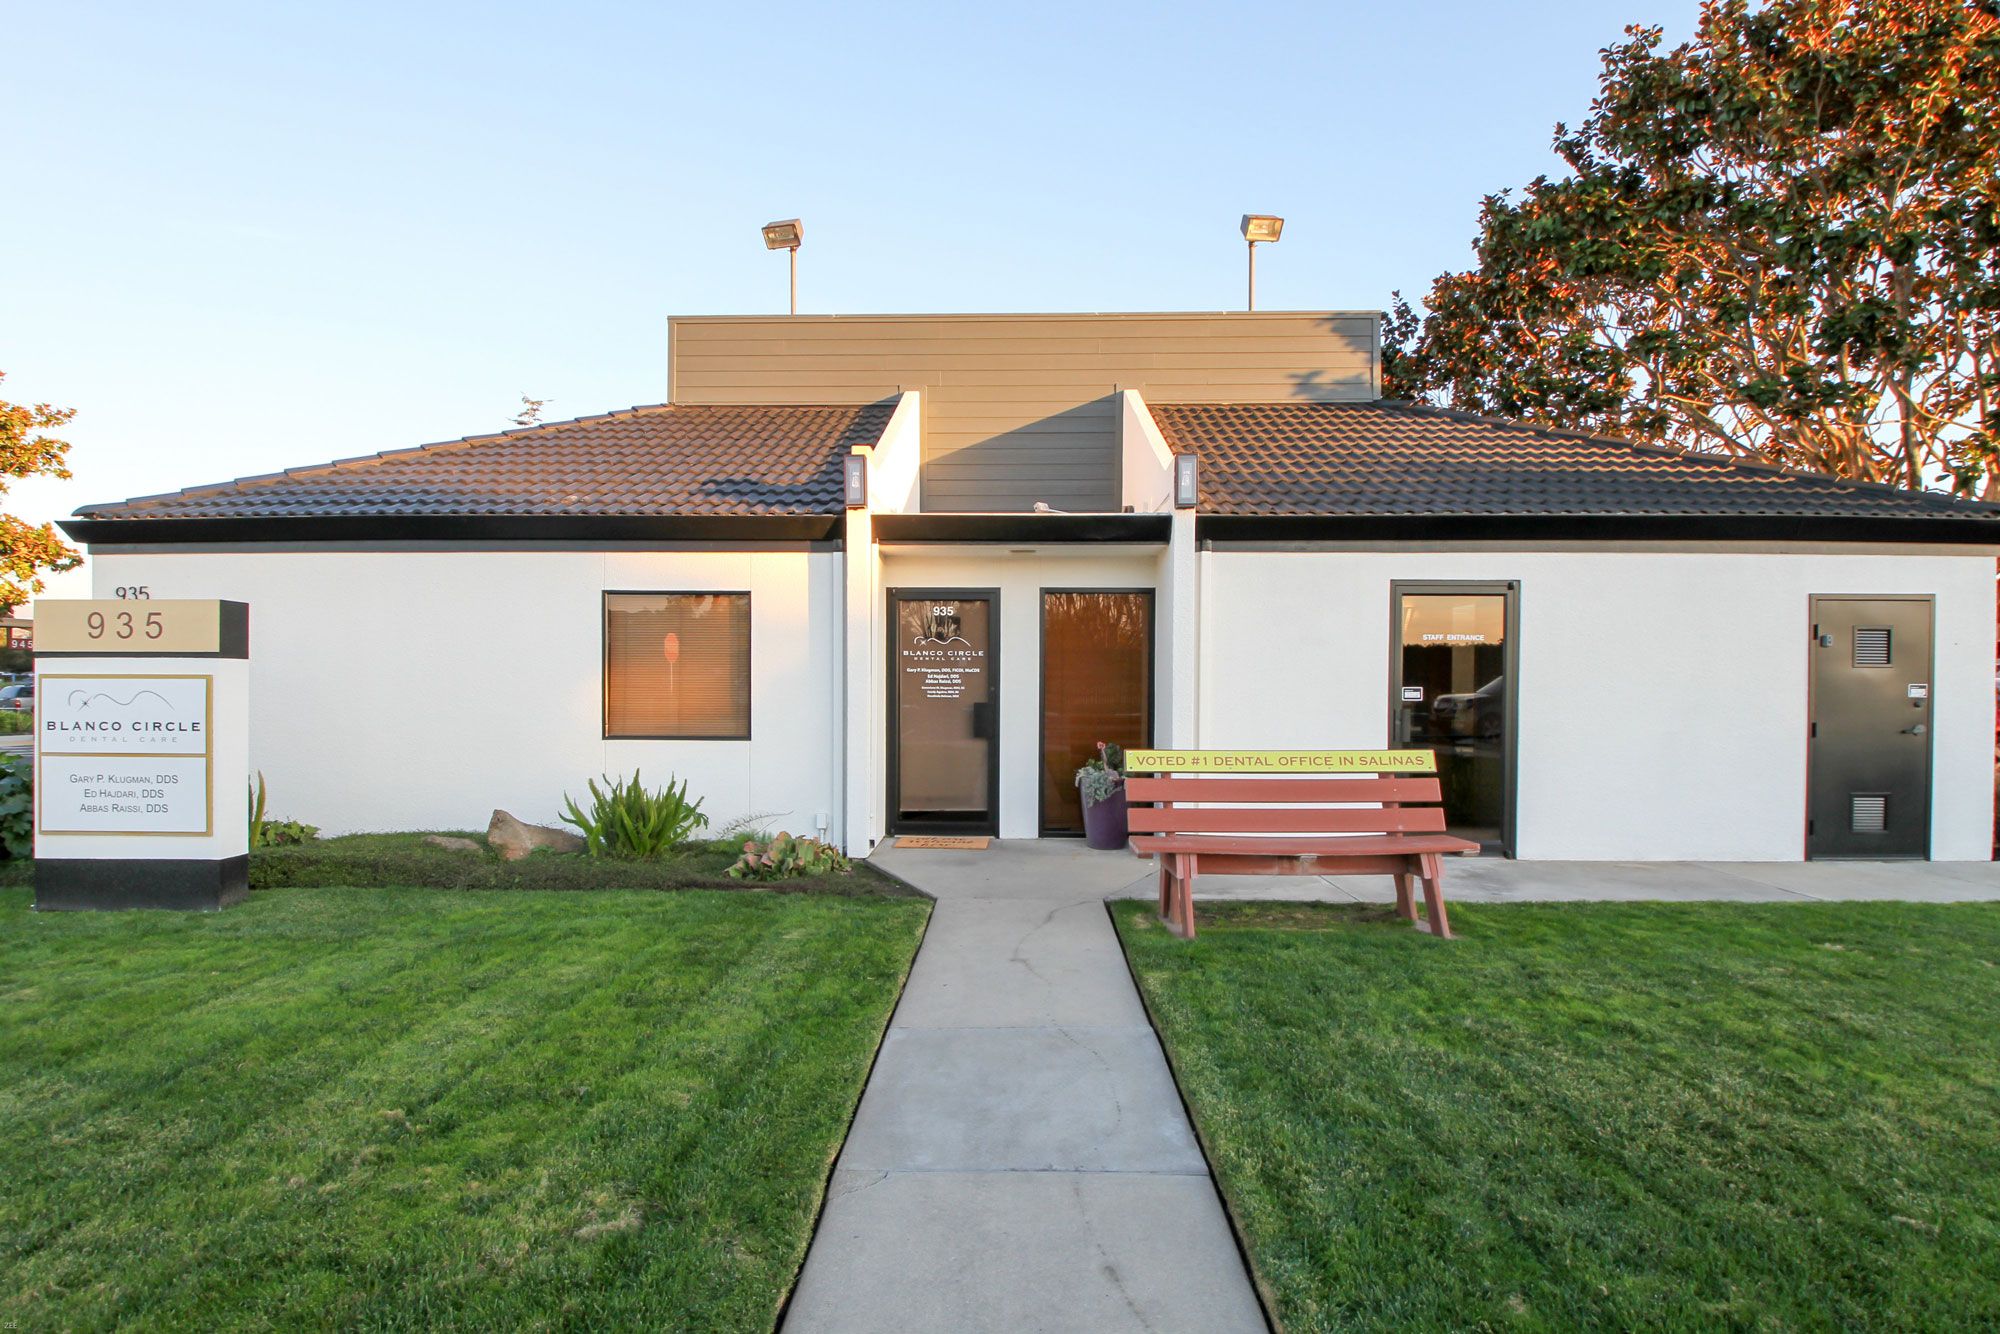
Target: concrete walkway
{"points": [[1021, 1160]]}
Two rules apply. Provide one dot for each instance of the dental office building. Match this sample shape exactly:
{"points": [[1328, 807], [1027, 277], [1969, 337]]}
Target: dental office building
{"points": [[889, 574]]}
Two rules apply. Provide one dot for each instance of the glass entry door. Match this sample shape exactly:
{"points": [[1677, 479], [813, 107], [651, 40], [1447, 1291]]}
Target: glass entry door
{"points": [[944, 692], [1453, 693], [1097, 685]]}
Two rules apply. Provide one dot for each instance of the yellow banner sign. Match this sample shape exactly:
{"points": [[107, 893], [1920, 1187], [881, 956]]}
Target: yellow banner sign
{"points": [[1281, 761]]}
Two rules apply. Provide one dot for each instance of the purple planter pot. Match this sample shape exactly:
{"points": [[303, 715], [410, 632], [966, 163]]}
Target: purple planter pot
{"points": [[1104, 825]]}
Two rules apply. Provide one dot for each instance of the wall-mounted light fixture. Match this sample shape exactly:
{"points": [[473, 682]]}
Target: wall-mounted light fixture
{"points": [[1187, 482], [1259, 227], [787, 235], [854, 481]]}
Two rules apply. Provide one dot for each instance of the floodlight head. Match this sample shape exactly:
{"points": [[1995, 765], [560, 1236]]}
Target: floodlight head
{"points": [[1261, 227], [784, 235]]}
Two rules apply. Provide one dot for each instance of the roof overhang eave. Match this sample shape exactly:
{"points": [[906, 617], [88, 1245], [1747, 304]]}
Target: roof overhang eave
{"points": [[460, 528], [1023, 529], [1942, 530]]}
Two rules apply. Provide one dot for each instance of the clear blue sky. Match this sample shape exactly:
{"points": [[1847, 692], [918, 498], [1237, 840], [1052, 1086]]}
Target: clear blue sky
{"points": [[245, 236]]}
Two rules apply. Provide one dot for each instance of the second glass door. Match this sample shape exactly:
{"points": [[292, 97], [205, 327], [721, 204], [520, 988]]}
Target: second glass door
{"points": [[1097, 685]]}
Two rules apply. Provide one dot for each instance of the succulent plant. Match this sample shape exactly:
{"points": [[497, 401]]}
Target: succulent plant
{"points": [[783, 857], [1103, 773]]}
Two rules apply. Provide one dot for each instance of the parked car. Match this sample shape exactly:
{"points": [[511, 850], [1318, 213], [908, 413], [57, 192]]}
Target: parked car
{"points": [[20, 696], [1481, 713]]}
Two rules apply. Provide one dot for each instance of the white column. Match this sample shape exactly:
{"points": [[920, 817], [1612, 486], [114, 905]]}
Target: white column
{"points": [[859, 779], [1179, 638]]}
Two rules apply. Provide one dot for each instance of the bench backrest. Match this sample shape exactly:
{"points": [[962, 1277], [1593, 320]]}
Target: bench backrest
{"points": [[1388, 804]]}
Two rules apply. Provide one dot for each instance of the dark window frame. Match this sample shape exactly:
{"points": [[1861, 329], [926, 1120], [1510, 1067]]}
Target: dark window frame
{"points": [[604, 652]]}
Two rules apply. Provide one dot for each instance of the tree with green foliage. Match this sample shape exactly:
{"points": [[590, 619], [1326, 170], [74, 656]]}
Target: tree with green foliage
{"points": [[27, 450], [1778, 240]]}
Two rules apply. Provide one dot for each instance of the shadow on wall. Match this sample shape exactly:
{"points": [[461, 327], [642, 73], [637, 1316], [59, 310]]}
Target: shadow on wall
{"points": [[1068, 459], [1322, 386]]}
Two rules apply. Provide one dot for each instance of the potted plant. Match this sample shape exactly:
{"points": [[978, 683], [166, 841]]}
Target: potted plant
{"points": [[1101, 781]]}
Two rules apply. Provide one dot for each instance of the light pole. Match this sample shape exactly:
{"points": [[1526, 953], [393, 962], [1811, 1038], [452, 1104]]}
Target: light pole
{"points": [[1259, 227], [787, 235]]}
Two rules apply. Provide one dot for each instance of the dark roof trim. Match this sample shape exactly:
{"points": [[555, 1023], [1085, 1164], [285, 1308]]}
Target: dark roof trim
{"points": [[1024, 528], [1226, 528], [800, 528]]}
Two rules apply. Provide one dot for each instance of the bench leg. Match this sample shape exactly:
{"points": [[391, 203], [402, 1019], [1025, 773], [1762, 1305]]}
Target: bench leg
{"points": [[1179, 915], [1406, 902], [1170, 891], [1440, 923]]}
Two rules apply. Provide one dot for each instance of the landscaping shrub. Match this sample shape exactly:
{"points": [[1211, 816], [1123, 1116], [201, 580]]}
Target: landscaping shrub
{"points": [[629, 823], [13, 722], [266, 833], [17, 805], [785, 857], [373, 860]]}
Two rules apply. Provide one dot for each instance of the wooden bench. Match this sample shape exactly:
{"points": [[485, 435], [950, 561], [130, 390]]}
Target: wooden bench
{"points": [[1334, 824]]}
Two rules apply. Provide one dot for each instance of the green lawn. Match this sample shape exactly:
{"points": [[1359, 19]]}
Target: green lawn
{"points": [[402, 1108], [1614, 1116]]}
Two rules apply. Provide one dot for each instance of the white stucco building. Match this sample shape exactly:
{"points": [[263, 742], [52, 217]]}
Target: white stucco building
{"points": [[880, 574]]}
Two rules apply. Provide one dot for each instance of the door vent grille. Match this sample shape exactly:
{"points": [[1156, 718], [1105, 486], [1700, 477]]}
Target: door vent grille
{"points": [[1871, 646], [1869, 813]]}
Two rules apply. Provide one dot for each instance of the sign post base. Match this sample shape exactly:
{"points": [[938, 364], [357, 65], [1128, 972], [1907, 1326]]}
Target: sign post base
{"points": [[92, 884]]}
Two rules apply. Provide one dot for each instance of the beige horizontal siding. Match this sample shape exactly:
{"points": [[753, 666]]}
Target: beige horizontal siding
{"points": [[1022, 408]]}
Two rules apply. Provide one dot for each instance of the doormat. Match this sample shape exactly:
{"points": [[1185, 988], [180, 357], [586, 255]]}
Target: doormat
{"points": [[937, 841]]}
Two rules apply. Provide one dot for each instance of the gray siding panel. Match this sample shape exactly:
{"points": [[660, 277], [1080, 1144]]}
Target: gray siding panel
{"points": [[1023, 408]]}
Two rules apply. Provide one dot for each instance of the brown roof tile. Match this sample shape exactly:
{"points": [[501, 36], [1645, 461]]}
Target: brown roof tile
{"points": [[1397, 459], [646, 461]]}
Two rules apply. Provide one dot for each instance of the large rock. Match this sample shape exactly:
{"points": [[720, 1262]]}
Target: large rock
{"points": [[514, 840], [451, 844]]}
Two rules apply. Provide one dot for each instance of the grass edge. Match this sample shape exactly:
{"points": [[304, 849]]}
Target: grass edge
{"points": [[867, 1077], [1266, 1299]]}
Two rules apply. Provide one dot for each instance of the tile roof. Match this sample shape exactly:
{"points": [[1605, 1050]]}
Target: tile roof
{"points": [[1397, 459], [646, 461]]}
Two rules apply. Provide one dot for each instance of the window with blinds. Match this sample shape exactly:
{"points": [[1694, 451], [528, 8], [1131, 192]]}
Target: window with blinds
{"points": [[677, 665]]}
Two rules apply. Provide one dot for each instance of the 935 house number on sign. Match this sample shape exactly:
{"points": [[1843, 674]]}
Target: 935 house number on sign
{"points": [[123, 625], [133, 623]]}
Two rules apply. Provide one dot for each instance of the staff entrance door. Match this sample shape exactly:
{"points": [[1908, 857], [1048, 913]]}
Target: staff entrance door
{"points": [[1452, 691], [1869, 779], [944, 700]]}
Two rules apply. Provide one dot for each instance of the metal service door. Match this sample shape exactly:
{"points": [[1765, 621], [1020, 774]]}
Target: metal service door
{"points": [[944, 696], [1869, 774]]}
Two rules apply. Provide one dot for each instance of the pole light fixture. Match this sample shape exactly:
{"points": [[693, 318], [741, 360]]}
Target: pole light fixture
{"points": [[787, 235], [1259, 227]]}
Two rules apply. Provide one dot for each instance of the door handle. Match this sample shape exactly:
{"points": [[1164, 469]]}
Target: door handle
{"points": [[982, 721], [1918, 730]]}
